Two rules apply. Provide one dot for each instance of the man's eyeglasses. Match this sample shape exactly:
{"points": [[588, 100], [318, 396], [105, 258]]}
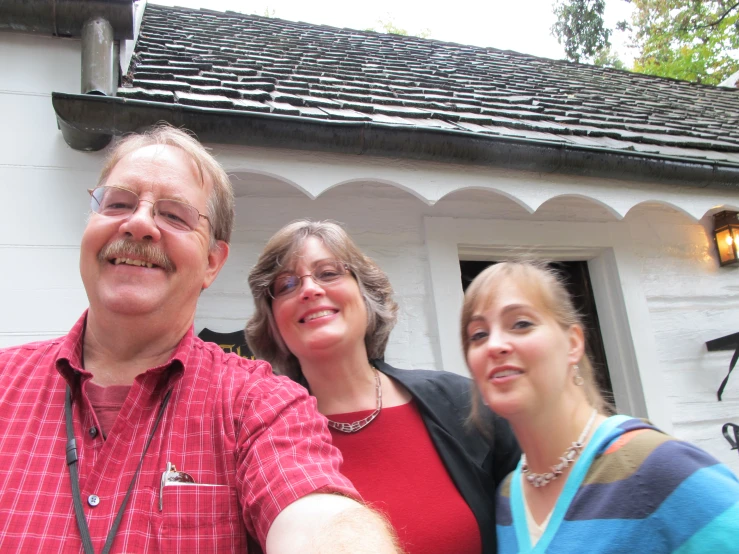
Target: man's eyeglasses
{"points": [[325, 273], [170, 215]]}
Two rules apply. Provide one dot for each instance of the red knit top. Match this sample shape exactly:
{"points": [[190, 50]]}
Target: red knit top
{"points": [[395, 467], [107, 402]]}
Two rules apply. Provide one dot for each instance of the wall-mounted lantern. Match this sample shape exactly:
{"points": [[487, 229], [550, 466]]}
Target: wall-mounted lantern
{"points": [[726, 235]]}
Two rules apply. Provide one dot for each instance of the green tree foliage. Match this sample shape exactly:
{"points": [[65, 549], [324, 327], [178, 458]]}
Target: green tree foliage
{"points": [[388, 26], [580, 27], [606, 58], [683, 39], [686, 39]]}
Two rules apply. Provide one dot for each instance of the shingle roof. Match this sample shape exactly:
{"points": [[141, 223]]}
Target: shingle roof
{"points": [[256, 64]]}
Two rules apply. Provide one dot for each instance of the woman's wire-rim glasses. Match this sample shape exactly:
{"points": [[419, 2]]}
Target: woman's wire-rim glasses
{"points": [[325, 273]]}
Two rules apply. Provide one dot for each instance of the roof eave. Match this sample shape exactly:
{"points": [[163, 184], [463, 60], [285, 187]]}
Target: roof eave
{"points": [[66, 17], [90, 122]]}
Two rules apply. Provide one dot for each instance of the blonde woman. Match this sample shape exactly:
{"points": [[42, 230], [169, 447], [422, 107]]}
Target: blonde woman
{"points": [[586, 482], [324, 312]]}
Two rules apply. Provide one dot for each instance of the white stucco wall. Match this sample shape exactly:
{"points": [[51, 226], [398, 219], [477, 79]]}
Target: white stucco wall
{"points": [[43, 193], [42, 190], [691, 300], [688, 298]]}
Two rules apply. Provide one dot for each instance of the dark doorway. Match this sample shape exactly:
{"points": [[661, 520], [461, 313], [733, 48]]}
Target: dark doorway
{"points": [[577, 280]]}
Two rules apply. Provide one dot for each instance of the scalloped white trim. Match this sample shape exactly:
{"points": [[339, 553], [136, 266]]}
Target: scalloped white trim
{"points": [[315, 174]]}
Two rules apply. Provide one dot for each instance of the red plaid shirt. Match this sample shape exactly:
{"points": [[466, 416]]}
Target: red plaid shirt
{"points": [[256, 440]]}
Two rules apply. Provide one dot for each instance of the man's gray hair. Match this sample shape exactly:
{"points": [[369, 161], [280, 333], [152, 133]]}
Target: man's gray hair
{"points": [[221, 199]]}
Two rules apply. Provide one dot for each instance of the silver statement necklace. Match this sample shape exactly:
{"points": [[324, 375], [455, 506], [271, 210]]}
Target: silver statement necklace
{"points": [[566, 460], [362, 423]]}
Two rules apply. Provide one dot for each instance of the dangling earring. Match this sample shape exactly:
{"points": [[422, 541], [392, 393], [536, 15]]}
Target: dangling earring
{"points": [[577, 377]]}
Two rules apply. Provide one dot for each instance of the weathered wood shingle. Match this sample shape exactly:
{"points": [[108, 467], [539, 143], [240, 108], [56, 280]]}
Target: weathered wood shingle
{"points": [[245, 62]]}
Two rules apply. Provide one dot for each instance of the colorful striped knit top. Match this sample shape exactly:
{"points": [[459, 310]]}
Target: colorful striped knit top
{"points": [[633, 490]]}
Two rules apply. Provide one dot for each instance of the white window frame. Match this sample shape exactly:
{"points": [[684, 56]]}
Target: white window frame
{"points": [[615, 274]]}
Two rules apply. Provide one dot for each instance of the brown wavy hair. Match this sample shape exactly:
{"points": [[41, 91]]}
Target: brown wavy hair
{"points": [[279, 255]]}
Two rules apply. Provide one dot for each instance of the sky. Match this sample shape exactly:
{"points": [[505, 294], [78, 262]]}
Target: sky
{"points": [[519, 25]]}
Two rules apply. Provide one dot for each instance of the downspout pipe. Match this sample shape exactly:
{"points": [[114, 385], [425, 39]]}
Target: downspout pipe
{"points": [[100, 24], [99, 78], [99, 75]]}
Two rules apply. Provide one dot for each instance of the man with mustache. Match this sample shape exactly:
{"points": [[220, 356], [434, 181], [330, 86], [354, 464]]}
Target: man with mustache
{"points": [[130, 433]]}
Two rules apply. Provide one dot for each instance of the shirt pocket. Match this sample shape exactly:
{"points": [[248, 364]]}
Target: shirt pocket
{"points": [[201, 518]]}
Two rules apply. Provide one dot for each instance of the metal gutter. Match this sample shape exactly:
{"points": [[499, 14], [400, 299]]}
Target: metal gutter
{"points": [[90, 122], [66, 17]]}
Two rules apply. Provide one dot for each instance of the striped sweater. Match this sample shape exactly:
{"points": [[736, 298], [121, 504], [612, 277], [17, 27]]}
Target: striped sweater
{"points": [[633, 490]]}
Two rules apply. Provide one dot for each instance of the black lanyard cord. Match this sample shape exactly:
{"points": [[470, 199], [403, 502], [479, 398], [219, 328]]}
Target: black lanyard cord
{"points": [[72, 464], [74, 476]]}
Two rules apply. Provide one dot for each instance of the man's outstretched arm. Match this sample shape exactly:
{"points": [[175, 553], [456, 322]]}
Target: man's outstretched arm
{"points": [[330, 524]]}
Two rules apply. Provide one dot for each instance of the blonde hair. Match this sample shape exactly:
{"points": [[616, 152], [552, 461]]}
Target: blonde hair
{"points": [[549, 292], [221, 198], [278, 256]]}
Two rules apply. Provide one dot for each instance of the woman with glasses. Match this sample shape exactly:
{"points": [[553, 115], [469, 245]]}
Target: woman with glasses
{"points": [[586, 482], [324, 312]]}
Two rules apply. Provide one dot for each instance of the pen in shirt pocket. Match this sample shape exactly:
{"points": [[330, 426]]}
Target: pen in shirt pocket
{"points": [[171, 476]]}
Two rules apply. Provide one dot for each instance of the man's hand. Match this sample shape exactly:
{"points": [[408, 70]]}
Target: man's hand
{"points": [[330, 524]]}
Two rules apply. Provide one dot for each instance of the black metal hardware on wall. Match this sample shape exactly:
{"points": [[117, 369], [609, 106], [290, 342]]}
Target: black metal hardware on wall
{"points": [[733, 441], [729, 342]]}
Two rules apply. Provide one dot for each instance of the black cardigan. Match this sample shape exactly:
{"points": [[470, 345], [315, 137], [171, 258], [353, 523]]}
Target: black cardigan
{"points": [[476, 463]]}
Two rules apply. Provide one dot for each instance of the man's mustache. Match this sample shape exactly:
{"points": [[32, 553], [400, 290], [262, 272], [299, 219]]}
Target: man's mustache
{"points": [[126, 248]]}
